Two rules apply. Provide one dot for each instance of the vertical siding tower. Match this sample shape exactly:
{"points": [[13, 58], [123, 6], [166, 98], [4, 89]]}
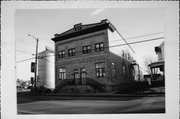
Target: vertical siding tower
{"points": [[46, 69]]}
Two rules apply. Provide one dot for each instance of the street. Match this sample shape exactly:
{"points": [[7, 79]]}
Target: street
{"points": [[91, 105]]}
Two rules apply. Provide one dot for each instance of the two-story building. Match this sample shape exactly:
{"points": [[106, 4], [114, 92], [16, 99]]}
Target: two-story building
{"points": [[158, 64], [84, 55]]}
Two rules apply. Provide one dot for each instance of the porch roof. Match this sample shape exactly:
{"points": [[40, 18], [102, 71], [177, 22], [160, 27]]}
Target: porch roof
{"points": [[156, 64]]}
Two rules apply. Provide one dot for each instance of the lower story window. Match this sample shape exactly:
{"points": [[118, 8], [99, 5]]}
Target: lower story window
{"points": [[100, 69], [124, 71], [113, 70], [62, 73]]}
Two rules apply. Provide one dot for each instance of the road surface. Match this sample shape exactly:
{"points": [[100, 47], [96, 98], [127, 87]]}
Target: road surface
{"points": [[90, 105]]}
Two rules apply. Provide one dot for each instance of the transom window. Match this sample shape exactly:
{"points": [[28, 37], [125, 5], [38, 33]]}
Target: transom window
{"points": [[86, 49], [62, 73], [72, 52], [61, 54], [99, 47], [100, 69]]}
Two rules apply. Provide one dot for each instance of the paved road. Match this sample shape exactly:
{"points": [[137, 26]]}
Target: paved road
{"points": [[100, 106]]}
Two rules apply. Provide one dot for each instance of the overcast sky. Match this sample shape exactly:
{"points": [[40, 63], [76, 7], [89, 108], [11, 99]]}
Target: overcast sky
{"points": [[45, 23]]}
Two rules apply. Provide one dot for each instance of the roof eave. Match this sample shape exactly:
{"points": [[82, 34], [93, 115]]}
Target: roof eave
{"points": [[81, 32]]}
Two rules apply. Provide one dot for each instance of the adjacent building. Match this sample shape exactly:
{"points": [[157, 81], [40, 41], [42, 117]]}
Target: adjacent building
{"points": [[46, 73], [158, 64], [86, 55]]}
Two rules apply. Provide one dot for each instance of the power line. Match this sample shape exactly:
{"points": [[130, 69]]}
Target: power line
{"points": [[140, 36], [25, 60], [48, 61], [139, 41], [42, 57], [110, 41], [23, 52], [33, 58], [125, 40], [46, 56], [104, 47]]}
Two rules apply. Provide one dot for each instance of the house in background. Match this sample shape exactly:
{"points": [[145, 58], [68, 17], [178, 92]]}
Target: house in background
{"points": [[85, 57], [158, 64], [21, 85]]}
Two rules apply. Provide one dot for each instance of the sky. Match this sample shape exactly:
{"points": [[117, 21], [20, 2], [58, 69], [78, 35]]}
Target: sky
{"points": [[44, 23]]}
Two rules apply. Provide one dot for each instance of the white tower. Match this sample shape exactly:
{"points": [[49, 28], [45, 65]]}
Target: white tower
{"points": [[46, 69]]}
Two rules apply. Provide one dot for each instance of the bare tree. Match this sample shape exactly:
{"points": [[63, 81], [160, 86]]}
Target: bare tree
{"points": [[148, 61]]}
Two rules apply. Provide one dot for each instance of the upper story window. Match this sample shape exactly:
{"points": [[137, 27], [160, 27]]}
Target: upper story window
{"points": [[86, 49], [99, 47], [61, 54], [72, 52]]}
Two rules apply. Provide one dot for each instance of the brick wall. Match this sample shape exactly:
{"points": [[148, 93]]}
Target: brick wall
{"points": [[81, 60]]}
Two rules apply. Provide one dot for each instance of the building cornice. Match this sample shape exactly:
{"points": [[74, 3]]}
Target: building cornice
{"points": [[81, 38], [104, 24]]}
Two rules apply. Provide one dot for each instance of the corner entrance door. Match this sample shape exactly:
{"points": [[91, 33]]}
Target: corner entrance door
{"points": [[79, 76]]}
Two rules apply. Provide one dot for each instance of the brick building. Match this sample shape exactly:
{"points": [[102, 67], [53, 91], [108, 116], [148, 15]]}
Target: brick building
{"points": [[85, 56]]}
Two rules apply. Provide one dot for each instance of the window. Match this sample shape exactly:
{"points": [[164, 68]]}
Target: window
{"points": [[99, 47], [62, 73], [113, 70], [71, 52], [86, 49], [61, 54], [100, 69], [124, 71]]}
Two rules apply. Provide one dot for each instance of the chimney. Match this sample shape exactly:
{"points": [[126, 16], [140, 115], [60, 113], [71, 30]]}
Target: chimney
{"points": [[56, 35], [77, 26], [105, 21]]}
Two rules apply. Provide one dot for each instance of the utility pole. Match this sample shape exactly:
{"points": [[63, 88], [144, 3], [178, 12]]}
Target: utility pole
{"points": [[35, 72]]}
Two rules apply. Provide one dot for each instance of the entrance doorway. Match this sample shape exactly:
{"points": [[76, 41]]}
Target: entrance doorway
{"points": [[79, 76]]}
